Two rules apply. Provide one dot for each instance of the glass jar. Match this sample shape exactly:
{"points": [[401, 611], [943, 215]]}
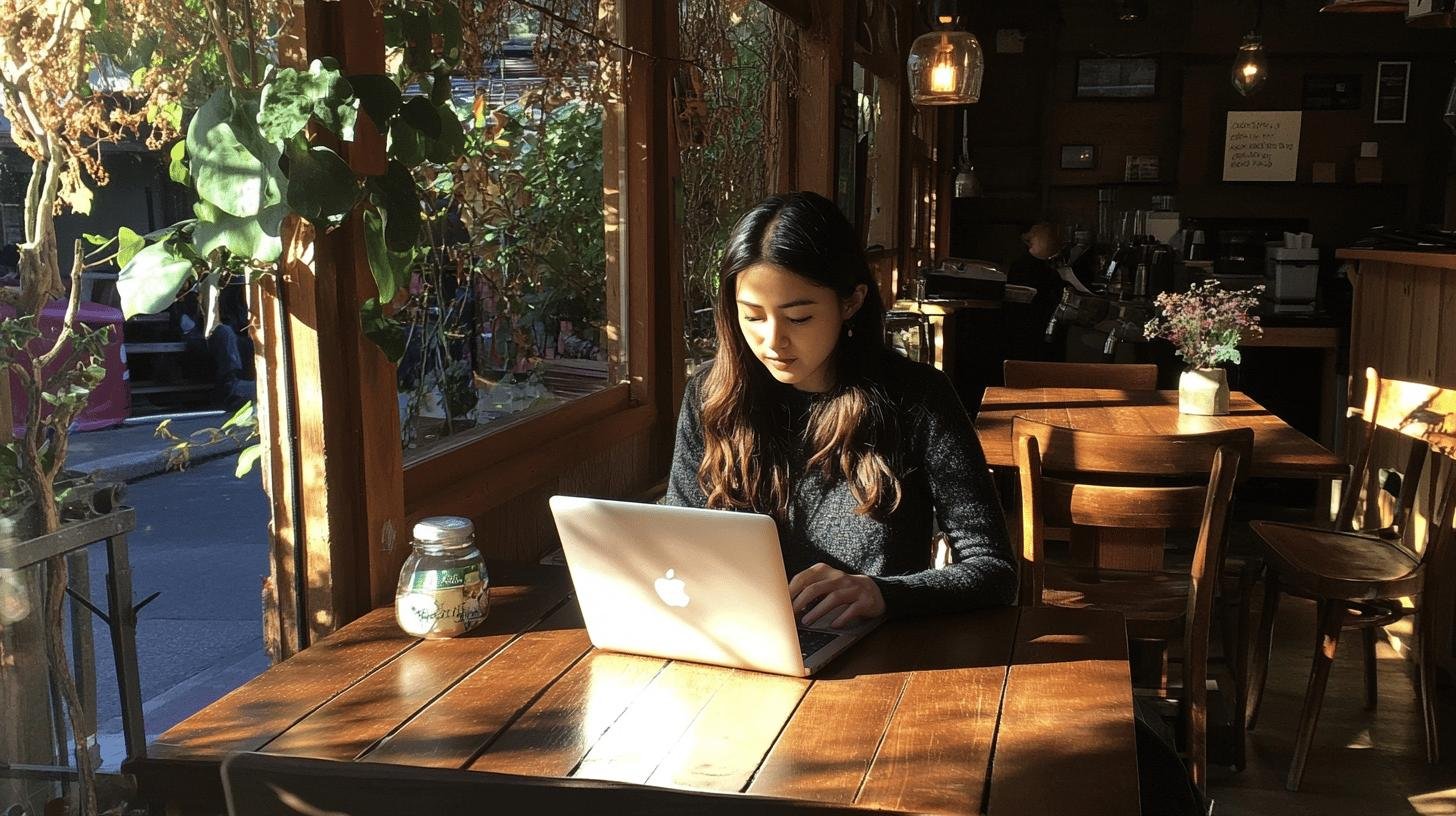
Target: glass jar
{"points": [[443, 587]]}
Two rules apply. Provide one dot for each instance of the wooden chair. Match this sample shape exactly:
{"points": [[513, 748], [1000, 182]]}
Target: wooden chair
{"points": [[258, 784], [1124, 376], [1359, 576], [1125, 481]]}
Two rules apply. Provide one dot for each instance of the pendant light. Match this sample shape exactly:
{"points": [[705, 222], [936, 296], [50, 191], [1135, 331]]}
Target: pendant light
{"points": [[967, 184], [1250, 65], [945, 65]]}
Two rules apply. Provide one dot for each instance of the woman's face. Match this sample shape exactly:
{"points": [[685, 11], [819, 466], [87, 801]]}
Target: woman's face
{"points": [[792, 324]]}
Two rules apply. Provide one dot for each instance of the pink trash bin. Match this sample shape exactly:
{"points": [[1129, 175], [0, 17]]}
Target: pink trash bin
{"points": [[110, 402]]}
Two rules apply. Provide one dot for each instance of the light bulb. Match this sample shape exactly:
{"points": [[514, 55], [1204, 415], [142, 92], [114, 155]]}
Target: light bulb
{"points": [[1249, 70], [943, 72]]}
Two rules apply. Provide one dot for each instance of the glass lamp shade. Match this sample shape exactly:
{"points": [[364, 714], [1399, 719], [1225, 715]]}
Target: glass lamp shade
{"points": [[967, 183], [945, 68], [1250, 66]]}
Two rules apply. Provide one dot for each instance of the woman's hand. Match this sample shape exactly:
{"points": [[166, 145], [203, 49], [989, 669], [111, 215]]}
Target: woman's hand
{"points": [[822, 588]]}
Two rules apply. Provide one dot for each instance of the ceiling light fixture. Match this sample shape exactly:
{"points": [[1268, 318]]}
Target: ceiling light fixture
{"points": [[945, 65]]}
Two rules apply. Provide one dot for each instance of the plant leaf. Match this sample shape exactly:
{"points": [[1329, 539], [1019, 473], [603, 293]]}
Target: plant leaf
{"points": [[386, 332], [321, 186], [422, 116], [129, 244], [256, 238], [293, 97], [399, 197], [232, 165], [247, 458], [177, 167], [388, 268], [149, 283], [378, 96]]}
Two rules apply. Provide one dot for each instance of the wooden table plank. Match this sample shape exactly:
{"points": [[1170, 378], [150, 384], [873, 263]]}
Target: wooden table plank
{"points": [[639, 741], [270, 703], [732, 734], [937, 750], [1065, 742], [1279, 450], [554, 734], [453, 728], [828, 746], [860, 730], [351, 722]]}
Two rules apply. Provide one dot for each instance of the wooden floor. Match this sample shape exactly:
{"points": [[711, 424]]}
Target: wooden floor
{"points": [[1363, 763]]}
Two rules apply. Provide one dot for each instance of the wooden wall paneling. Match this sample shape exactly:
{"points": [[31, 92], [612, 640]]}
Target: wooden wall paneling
{"points": [[1445, 366], [1400, 332]]}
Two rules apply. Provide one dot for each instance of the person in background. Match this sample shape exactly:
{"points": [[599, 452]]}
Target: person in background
{"points": [[1034, 268], [232, 350]]}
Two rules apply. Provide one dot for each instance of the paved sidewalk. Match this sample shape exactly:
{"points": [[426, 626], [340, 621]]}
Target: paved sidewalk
{"points": [[132, 451]]}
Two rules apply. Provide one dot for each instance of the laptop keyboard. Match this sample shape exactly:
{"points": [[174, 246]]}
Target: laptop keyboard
{"points": [[811, 641]]}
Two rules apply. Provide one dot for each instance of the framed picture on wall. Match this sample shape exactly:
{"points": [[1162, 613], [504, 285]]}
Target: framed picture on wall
{"points": [[1117, 78], [1078, 157], [1392, 88]]}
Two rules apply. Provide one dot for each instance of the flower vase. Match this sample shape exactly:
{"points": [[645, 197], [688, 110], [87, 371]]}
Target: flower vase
{"points": [[1203, 391]]}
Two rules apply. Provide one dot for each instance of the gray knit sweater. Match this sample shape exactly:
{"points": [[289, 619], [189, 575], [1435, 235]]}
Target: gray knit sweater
{"points": [[943, 478]]}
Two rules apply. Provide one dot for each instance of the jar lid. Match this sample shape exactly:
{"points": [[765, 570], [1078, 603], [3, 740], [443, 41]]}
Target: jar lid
{"points": [[446, 530]]}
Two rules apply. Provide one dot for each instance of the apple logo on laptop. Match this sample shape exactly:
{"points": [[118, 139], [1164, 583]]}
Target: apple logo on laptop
{"points": [[671, 590]]}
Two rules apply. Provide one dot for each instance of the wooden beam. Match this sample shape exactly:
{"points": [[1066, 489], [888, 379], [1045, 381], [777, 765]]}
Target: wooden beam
{"points": [[655, 299], [825, 49], [336, 477]]}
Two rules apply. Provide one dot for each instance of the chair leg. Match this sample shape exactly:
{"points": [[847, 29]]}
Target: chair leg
{"points": [[1332, 619], [1259, 671], [1195, 711], [1240, 672], [1426, 687], [1367, 634]]}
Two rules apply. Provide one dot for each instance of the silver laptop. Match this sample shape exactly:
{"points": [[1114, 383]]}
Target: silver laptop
{"points": [[687, 584]]}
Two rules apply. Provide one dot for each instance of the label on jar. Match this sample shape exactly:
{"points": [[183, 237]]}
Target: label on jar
{"points": [[443, 603]]}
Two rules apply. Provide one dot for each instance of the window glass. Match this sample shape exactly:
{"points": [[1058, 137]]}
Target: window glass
{"points": [[514, 311], [731, 102]]}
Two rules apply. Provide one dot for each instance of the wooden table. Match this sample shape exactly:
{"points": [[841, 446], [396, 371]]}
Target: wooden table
{"points": [[1279, 450], [1003, 711]]}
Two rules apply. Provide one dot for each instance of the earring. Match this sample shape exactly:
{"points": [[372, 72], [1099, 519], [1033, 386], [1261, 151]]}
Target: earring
{"points": [[851, 332]]}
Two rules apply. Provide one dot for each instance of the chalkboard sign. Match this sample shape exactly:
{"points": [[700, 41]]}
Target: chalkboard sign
{"points": [[1261, 145]]}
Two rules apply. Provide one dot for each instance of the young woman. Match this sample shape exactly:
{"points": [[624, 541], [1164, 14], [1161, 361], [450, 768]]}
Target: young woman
{"points": [[807, 416]]}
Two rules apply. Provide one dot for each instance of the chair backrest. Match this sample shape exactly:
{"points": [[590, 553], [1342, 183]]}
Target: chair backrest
{"points": [[1426, 414], [1123, 376], [269, 785], [1087, 478]]}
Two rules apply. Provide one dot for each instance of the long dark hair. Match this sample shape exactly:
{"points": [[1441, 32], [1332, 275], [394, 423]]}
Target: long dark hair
{"points": [[850, 430]]}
